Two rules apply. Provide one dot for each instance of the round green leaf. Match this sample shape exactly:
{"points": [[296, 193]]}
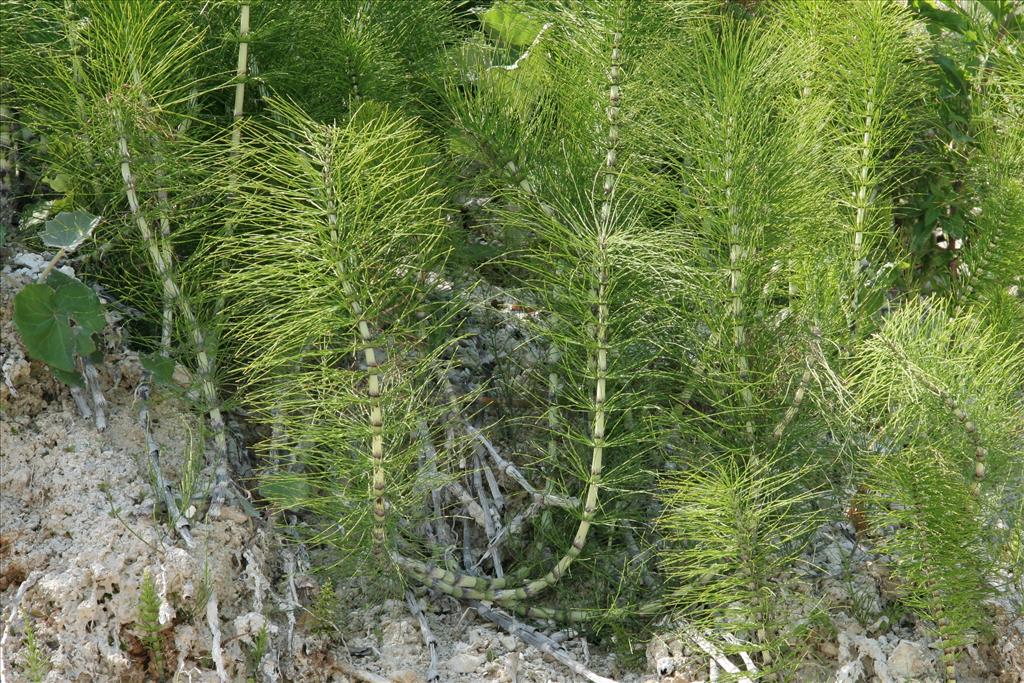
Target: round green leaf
{"points": [[43, 327], [510, 26], [78, 300], [72, 379], [69, 229]]}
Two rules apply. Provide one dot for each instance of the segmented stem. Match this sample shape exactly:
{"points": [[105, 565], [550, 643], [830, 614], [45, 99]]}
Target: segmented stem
{"points": [[948, 652], [971, 430], [241, 71], [495, 590], [794, 407], [736, 254], [167, 326], [862, 201], [553, 383], [373, 387], [173, 292], [800, 393]]}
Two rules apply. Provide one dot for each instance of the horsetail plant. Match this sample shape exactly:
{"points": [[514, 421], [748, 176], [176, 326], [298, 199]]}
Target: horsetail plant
{"points": [[586, 268], [696, 217], [866, 61], [120, 97], [736, 197], [343, 226], [942, 396]]}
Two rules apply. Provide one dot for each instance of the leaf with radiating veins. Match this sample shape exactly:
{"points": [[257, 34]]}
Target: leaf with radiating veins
{"points": [[44, 327], [77, 300], [69, 229]]}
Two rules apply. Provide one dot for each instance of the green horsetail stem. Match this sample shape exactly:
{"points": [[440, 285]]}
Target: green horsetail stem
{"points": [[794, 407], [241, 70], [173, 292], [435, 578], [220, 483], [552, 412], [948, 651], [864, 181], [373, 388], [163, 217], [736, 283], [495, 590], [237, 112], [801, 390]]}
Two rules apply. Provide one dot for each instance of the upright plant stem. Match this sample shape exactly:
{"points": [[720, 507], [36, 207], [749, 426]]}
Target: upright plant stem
{"points": [[241, 71], [736, 254], [862, 201], [220, 483], [7, 157], [373, 388], [173, 292], [495, 590]]}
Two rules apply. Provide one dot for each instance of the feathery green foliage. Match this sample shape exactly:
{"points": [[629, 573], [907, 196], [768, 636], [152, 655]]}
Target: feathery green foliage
{"points": [[340, 230], [149, 621], [381, 51], [732, 532], [942, 398], [36, 663], [711, 218], [864, 65]]}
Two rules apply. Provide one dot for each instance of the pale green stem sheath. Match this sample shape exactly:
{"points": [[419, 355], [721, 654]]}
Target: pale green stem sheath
{"points": [[495, 590], [220, 483], [163, 215], [553, 357], [794, 407], [237, 112], [736, 254], [373, 387], [167, 327], [971, 430], [939, 613], [862, 201], [801, 389], [241, 70], [173, 292]]}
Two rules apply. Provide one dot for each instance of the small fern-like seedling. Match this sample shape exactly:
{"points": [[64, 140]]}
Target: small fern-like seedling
{"points": [[35, 662], [149, 620], [325, 608], [256, 653], [735, 533]]}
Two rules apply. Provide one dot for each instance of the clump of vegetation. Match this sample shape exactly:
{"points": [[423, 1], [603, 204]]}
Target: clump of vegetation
{"points": [[149, 622], [750, 258], [35, 662]]}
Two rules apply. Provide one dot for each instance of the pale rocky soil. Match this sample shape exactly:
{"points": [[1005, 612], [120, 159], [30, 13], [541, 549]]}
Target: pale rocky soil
{"points": [[79, 568]]}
